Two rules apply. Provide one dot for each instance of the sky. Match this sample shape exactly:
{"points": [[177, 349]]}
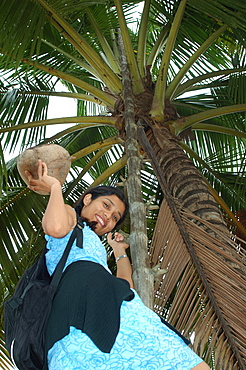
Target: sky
{"points": [[60, 107]]}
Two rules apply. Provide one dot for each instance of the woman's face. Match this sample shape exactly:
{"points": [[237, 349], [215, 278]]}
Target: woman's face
{"points": [[106, 210]]}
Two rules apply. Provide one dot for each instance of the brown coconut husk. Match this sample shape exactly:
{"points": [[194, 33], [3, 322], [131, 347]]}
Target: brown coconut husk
{"points": [[57, 159]]}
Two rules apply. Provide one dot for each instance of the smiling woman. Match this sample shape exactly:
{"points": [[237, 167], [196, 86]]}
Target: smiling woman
{"points": [[105, 211], [98, 318], [109, 204]]}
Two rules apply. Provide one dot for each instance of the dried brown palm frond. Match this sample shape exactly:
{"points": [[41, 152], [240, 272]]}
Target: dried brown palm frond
{"points": [[203, 293]]}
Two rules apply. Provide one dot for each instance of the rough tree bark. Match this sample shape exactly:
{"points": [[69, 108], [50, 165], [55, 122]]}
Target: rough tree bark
{"points": [[143, 278], [184, 181]]}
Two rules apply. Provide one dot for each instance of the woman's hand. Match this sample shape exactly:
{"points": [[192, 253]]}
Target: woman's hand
{"points": [[124, 268], [44, 182], [117, 244]]}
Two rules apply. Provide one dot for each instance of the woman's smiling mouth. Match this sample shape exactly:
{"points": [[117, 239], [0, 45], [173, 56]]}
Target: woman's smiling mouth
{"points": [[100, 220]]}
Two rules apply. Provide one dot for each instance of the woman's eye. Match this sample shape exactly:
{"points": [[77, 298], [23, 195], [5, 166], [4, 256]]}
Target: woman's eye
{"points": [[106, 205]]}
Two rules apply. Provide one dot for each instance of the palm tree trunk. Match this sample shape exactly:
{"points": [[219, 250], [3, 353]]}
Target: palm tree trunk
{"points": [[184, 181], [142, 276]]}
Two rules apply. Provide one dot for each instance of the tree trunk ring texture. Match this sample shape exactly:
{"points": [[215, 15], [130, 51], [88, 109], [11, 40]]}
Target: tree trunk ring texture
{"points": [[183, 179]]}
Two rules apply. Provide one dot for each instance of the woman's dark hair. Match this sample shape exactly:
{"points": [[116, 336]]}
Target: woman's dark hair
{"points": [[100, 191]]}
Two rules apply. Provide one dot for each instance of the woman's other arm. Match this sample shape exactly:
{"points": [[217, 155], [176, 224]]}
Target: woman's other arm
{"points": [[124, 268]]}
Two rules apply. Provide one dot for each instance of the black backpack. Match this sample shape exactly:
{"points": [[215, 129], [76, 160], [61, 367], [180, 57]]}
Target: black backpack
{"points": [[26, 313]]}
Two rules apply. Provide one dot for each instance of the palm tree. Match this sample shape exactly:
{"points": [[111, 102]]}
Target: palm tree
{"points": [[174, 89]]}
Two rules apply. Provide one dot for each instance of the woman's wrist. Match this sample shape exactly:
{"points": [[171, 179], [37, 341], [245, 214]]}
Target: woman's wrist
{"points": [[55, 187], [55, 184], [120, 257], [119, 251]]}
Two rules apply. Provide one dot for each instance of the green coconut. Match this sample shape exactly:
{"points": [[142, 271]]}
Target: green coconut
{"points": [[57, 159]]}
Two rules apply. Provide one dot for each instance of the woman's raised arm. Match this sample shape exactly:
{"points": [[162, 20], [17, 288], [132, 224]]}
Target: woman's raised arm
{"points": [[58, 218]]}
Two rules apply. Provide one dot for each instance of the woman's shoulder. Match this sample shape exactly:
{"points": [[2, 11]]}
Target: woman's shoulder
{"points": [[72, 216], [70, 209]]}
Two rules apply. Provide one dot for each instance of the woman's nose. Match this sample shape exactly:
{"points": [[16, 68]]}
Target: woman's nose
{"points": [[107, 215]]}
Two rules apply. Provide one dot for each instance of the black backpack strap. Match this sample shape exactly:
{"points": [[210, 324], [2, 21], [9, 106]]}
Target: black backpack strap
{"points": [[77, 234]]}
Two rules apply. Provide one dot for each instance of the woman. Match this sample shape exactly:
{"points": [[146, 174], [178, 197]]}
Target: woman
{"points": [[98, 321]]}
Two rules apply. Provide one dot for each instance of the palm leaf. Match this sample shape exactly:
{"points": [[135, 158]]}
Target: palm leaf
{"points": [[209, 299]]}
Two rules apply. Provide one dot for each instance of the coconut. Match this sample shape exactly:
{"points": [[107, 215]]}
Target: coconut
{"points": [[57, 159]]}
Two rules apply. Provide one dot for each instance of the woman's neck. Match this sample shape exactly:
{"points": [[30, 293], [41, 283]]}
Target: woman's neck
{"points": [[91, 224]]}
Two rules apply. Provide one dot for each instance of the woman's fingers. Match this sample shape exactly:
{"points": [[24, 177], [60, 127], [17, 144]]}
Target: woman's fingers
{"points": [[44, 182], [40, 168], [31, 180], [109, 237], [118, 237], [45, 169], [117, 241], [29, 175]]}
